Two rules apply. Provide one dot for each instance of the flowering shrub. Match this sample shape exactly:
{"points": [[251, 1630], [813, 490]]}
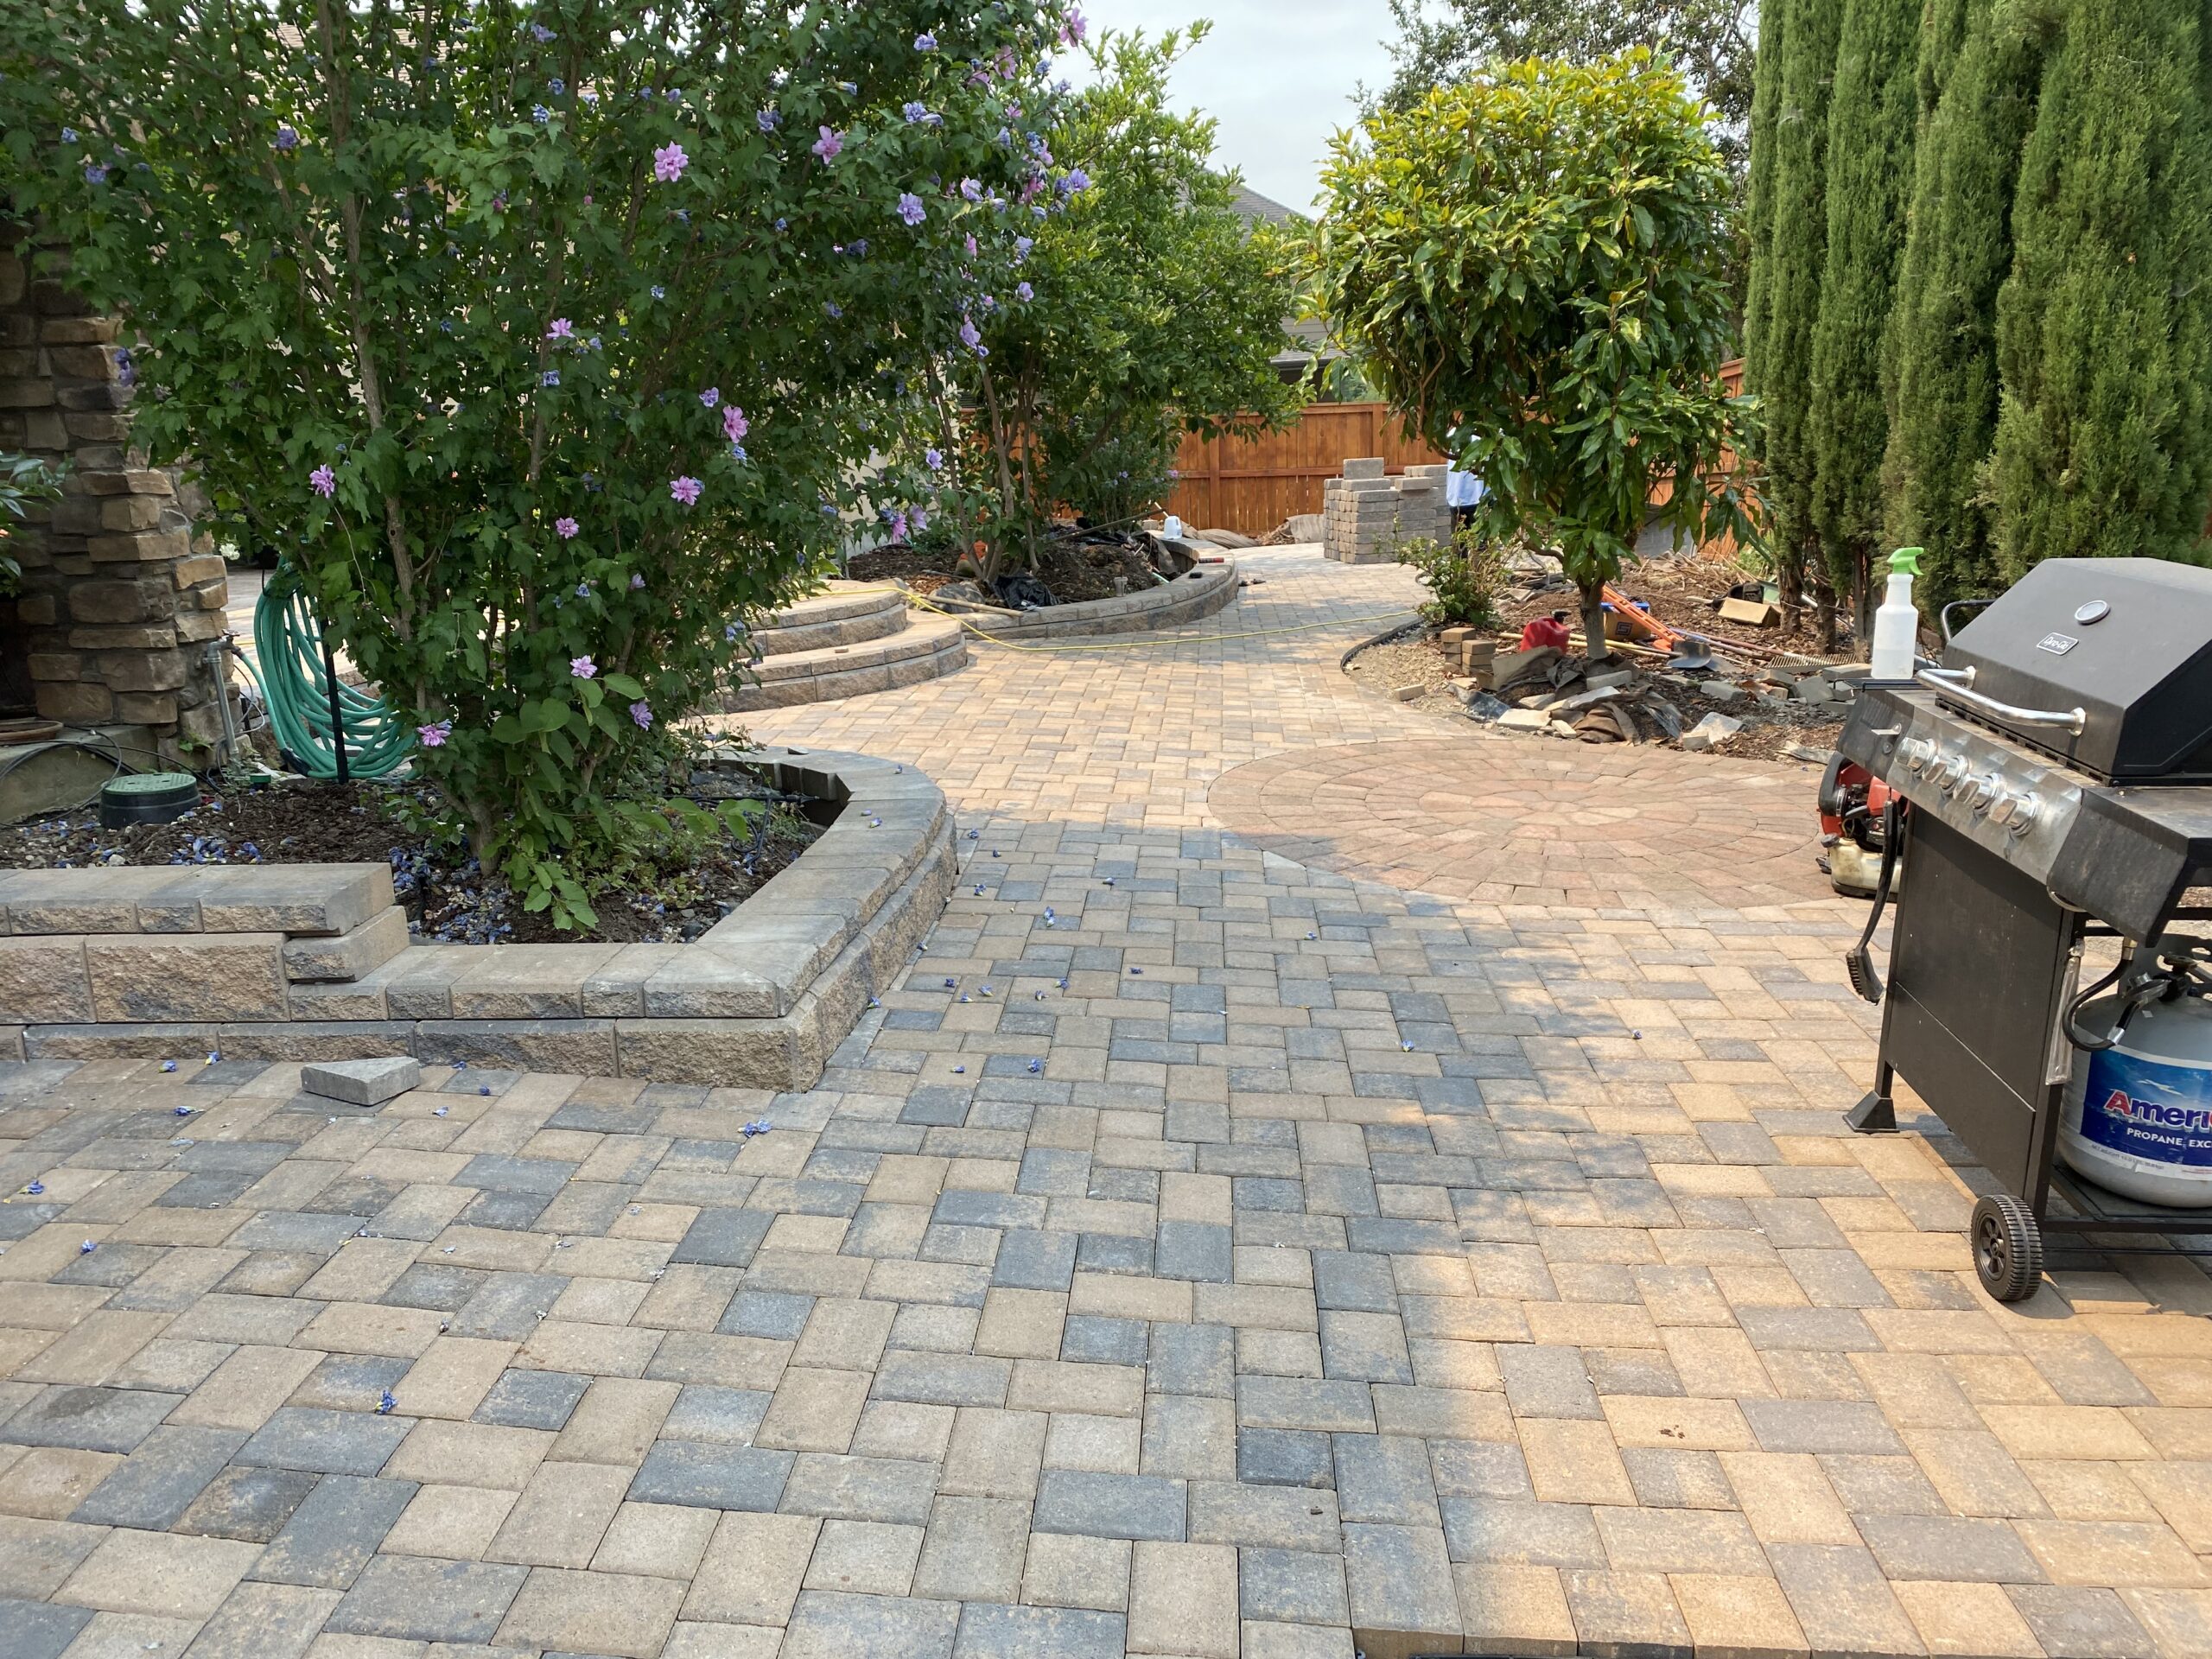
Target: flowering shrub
{"points": [[549, 342], [1148, 308]]}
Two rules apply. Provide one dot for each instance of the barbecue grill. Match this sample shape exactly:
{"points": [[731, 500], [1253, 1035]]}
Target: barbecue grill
{"points": [[2054, 777]]}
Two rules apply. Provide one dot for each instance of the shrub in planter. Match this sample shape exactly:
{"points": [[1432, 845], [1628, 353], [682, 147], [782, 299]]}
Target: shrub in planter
{"points": [[548, 342]]}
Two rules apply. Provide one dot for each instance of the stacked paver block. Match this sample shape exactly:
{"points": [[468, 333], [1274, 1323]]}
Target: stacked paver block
{"points": [[119, 597], [1367, 515]]}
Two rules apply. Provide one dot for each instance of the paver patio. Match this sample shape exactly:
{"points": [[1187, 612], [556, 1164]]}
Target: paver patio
{"points": [[1203, 1254]]}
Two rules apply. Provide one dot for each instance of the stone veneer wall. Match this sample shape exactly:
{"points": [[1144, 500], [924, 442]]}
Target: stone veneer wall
{"points": [[119, 597]]}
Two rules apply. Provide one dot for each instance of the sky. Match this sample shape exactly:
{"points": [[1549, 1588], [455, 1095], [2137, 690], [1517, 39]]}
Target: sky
{"points": [[1279, 75]]}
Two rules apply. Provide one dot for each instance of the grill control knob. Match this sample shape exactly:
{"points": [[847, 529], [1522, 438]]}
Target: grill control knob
{"points": [[2018, 813], [1914, 753], [1947, 769]]}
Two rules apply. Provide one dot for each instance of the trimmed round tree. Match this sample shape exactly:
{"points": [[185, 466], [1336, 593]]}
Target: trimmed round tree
{"points": [[1533, 266], [548, 343]]}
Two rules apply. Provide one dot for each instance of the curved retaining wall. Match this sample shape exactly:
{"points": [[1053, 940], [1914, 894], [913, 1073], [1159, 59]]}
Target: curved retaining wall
{"points": [[1199, 593], [312, 962]]}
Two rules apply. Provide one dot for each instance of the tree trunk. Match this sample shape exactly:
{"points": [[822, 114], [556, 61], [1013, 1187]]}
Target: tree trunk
{"points": [[1789, 579], [1593, 622]]}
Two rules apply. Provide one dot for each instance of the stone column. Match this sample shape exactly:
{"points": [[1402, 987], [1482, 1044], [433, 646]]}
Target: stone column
{"points": [[119, 595]]}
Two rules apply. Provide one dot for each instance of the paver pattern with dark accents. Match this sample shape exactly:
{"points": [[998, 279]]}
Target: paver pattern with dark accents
{"points": [[1236, 1260]]}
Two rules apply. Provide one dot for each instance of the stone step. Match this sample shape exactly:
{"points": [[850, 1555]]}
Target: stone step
{"points": [[842, 616], [927, 649]]}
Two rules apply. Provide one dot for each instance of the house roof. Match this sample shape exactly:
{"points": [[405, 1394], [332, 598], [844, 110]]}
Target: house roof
{"points": [[1250, 204]]}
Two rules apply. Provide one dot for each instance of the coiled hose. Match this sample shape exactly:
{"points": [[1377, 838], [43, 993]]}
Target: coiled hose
{"points": [[296, 688]]}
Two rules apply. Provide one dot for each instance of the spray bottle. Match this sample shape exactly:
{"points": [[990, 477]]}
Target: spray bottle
{"points": [[1896, 624]]}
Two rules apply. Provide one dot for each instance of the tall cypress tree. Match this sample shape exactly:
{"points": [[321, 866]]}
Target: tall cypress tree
{"points": [[2104, 328], [1979, 81], [1872, 119], [1796, 231], [1766, 104]]}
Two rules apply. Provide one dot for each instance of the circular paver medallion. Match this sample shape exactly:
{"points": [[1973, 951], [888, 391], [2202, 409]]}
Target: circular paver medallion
{"points": [[1534, 822]]}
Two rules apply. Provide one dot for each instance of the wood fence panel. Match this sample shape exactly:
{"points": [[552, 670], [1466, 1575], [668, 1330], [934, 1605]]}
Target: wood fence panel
{"points": [[1251, 485]]}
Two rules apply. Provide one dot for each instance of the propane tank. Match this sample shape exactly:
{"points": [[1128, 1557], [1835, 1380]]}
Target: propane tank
{"points": [[2139, 1113]]}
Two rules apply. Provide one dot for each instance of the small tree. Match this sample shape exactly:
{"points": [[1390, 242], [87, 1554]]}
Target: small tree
{"points": [[550, 342], [1533, 266], [1148, 309]]}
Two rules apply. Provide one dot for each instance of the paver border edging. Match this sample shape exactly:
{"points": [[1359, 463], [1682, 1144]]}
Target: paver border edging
{"points": [[1199, 592], [759, 1001]]}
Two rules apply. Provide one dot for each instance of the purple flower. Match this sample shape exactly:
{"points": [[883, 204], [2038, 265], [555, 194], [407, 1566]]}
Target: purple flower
{"points": [[1075, 183], [685, 490], [126, 372], [562, 328], [921, 520], [566, 528], [916, 112], [636, 582], [540, 114], [642, 713], [552, 377], [971, 190], [734, 425], [711, 396], [434, 735], [1023, 292], [835, 309], [68, 135], [583, 590], [935, 460], [1074, 29], [323, 481], [968, 336], [970, 245], [540, 32], [926, 43], [95, 173], [829, 145], [287, 138], [582, 668], [911, 208], [730, 632], [898, 526], [737, 452], [767, 120], [659, 293], [556, 86], [669, 163], [1021, 246]]}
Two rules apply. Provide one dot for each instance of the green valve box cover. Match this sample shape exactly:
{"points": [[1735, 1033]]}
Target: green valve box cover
{"points": [[147, 797]]}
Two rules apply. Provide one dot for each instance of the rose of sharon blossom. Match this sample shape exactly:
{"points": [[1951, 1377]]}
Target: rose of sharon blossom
{"points": [[669, 164], [561, 328], [642, 713], [711, 396], [323, 482], [926, 43], [768, 120], [968, 336], [636, 582], [734, 425], [971, 190], [934, 459], [566, 528], [287, 138], [911, 208], [1023, 292], [685, 490], [830, 146], [434, 735], [582, 668]]}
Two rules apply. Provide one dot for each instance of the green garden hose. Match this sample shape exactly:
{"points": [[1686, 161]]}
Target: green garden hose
{"points": [[295, 686]]}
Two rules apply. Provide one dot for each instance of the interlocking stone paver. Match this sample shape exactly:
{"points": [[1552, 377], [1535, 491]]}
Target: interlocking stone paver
{"points": [[1448, 1241]]}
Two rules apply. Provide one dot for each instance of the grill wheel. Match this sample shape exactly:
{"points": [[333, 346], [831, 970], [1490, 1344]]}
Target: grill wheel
{"points": [[2007, 1247]]}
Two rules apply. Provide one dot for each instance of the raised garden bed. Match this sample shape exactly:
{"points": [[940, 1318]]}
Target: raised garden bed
{"points": [[673, 895], [314, 960]]}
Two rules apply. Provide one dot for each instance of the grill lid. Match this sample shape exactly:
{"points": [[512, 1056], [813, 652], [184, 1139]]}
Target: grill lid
{"points": [[2127, 641]]}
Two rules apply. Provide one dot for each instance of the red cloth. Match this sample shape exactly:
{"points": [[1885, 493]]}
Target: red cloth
{"points": [[1543, 631]]}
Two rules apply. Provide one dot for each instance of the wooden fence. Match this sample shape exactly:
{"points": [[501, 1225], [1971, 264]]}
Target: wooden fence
{"points": [[1251, 485]]}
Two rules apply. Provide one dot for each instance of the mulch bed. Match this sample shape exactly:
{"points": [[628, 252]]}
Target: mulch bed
{"points": [[1076, 569], [449, 897]]}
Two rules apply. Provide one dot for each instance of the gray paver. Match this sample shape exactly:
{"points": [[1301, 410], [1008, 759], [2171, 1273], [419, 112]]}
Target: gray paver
{"points": [[1109, 1506], [156, 1482], [712, 1477], [326, 1442], [335, 1531], [418, 1600]]}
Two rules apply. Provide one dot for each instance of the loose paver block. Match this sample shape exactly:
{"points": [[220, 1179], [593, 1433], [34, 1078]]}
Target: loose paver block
{"points": [[362, 1083]]}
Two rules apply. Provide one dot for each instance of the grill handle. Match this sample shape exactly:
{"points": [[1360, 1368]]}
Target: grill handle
{"points": [[1959, 683]]}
